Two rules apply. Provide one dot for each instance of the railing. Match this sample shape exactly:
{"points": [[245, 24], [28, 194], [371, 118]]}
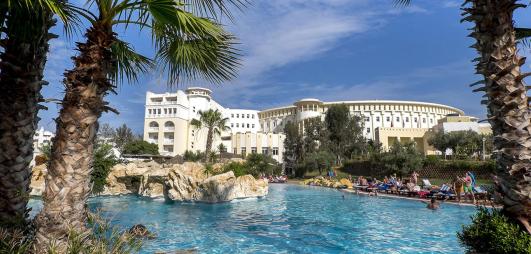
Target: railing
{"points": [[169, 141], [169, 129], [153, 129]]}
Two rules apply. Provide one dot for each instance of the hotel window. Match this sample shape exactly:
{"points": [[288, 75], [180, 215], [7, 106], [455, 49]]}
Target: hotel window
{"points": [[232, 125], [247, 125], [247, 115], [377, 119], [415, 119], [253, 150], [232, 115], [423, 120], [265, 150], [368, 130], [275, 150], [159, 112], [149, 110], [244, 152], [252, 116], [398, 119], [367, 119], [235, 150], [237, 125], [387, 119], [431, 120], [253, 126], [237, 115], [275, 124], [407, 119]]}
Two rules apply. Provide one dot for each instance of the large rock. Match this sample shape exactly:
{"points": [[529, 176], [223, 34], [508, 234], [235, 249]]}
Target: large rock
{"points": [[189, 183], [143, 178], [37, 180]]}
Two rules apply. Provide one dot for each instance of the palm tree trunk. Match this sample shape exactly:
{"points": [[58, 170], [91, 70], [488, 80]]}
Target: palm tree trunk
{"points": [[210, 136], [507, 102], [68, 182], [21, 72]]}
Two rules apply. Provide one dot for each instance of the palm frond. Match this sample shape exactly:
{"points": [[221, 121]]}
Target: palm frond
{"points": [[213, 59], [196, 123], [129, 64], [215, 8], [402, 2]]}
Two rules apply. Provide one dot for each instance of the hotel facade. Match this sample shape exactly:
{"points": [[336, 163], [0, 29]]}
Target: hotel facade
{"points": [[168, 118]]}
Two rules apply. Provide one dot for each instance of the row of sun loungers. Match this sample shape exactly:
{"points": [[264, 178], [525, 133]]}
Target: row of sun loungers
{"points": [[428, 191]]}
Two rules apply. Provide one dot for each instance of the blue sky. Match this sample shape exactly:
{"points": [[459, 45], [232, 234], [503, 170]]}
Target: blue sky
{"points": [[326, 49]]}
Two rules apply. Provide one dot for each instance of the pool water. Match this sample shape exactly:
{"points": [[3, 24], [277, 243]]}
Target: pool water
{"points": [[292, 219]]}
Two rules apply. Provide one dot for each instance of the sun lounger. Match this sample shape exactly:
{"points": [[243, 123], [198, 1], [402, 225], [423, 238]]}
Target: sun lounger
{"points": [[426, 184]]}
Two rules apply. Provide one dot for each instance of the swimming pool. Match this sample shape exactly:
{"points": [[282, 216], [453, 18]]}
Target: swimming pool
{"points": [[292, 219]]}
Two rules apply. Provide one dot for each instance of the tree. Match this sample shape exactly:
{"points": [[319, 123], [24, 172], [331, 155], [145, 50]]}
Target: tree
{"points": [[440, 141], [506, 99], [345, 132], [215, 124], [258, 164], [293, 146], [140, 147], [122, 136], [402, 159], [24, 36], [187, 47], [106, 132], [318, 160], [316, 136]]}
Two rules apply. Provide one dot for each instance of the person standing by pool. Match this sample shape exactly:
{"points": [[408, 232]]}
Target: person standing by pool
{"points": [[414, 177], [458, 187], [468, 187]]}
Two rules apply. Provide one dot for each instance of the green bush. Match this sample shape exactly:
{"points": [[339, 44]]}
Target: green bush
{"points": [[493, 232], [239, 169], [193, 156], [102, 239], [104, 160], [140, 147], [257, 164], [432, 160]]}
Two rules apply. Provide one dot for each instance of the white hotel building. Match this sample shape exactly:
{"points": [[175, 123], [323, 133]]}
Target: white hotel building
{"points": [[168, 117]]}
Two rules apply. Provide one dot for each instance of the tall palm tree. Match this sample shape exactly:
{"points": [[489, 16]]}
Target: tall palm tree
{"points": [[24, 41], [187, 46], [215, 123], [506, 100]]}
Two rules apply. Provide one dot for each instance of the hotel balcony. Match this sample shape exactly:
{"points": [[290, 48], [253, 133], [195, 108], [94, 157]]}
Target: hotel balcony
{"points": [[153, 141], [171, 129], [153, 129], [169, 141]]}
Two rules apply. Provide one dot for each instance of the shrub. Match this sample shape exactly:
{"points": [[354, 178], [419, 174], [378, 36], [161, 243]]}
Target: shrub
{"points": [[104, 160], [103, 239], [239, 169], [493, 232], [193, 156], [257, 164], [432, 160], [140, 147]]}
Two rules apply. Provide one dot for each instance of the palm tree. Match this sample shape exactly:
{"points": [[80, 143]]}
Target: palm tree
{"points": [[506, 100], [187, 46], [24, 41], [215, 123]]}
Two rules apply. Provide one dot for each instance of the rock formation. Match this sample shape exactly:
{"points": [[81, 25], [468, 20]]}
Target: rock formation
{"points": [[189, 183], [179, 182], [37, 180]]}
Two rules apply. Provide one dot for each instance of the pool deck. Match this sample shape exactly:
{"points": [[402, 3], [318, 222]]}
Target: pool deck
{"points": [[351, 191]]}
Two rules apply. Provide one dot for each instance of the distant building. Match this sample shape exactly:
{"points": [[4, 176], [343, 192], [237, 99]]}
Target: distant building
{"points": [[41, 138], [168, 117]]}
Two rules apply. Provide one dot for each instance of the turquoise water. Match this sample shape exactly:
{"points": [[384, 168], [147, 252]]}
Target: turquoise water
{"points": [[292, 219]]}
